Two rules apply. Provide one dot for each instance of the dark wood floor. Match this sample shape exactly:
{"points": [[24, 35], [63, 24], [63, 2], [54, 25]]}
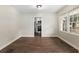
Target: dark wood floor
{"points": [[39, 45]]}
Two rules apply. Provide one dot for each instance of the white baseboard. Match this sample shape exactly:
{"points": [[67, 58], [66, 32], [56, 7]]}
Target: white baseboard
{"points": [[9, 43], [49, 35], [74, 46], [26, 35], [41, 36]]}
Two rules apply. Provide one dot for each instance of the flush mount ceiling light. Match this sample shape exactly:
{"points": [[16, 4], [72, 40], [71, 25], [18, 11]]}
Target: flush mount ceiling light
{"points": [[38, 6]]}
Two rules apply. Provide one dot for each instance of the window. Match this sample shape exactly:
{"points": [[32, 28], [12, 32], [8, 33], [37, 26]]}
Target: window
{"points": [[74, 23], [70, 23], [65, 24]]}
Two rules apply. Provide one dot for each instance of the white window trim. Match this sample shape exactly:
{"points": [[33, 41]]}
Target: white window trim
{"points": [[68, 14]]}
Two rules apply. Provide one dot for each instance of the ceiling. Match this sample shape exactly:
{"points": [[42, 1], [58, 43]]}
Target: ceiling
{"points": [[33, 9]]}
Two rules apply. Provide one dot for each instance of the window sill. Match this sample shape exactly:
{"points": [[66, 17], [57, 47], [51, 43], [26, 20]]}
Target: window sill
{"points": [[72, 33]]}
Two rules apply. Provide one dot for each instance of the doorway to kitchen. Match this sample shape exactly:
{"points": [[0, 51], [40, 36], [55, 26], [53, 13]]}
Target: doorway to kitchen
{"points": [[37, 27]]}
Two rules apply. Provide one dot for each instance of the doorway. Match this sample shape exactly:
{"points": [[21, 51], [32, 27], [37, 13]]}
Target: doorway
{"points": [[37, 26]]}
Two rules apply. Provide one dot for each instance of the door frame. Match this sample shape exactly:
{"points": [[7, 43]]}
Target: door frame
{"points": [[37, 19]]}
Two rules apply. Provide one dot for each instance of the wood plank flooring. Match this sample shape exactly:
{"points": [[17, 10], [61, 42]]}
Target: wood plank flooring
{"points": [[39, 45]]}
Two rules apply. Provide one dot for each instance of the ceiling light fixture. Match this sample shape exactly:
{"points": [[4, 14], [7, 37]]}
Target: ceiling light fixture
{"points": [[38, 6]]}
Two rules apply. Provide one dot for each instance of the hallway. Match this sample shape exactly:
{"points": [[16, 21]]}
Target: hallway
{"points": [[39, 45]]}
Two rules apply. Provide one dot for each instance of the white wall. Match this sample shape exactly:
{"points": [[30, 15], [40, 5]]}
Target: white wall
{"points": [[70, 38], [8, 25], [49, 24], [26, 25]]}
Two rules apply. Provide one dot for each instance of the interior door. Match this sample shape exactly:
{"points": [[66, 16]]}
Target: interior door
{"points": [[37, 26]]}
